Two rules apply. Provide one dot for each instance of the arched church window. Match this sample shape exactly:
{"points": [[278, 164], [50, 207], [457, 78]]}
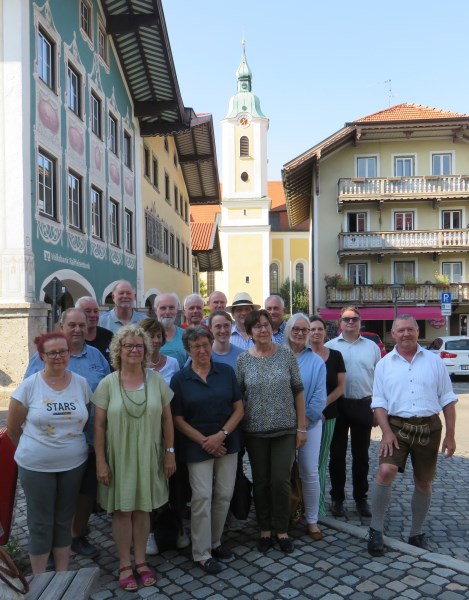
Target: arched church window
{"points": [[274, 278], [300, 273], [244, 146]]}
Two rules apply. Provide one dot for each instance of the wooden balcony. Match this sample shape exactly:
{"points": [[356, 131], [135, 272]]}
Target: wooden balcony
{"points": [[390, 242], [380, 295], [398, 189]]}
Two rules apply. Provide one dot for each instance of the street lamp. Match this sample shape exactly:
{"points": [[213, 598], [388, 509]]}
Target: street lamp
{"points": [[396, 293]]}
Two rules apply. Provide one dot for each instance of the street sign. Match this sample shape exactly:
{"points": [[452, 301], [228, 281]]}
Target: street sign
{"points": [[445, 298], [446, 312]]}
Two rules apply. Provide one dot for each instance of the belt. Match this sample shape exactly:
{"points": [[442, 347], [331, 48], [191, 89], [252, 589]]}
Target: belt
{"points": [[357, 399], [412, 420]]}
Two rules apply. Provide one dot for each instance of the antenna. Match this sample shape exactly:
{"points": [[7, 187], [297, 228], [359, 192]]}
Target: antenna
{"points": [[390, 94]]}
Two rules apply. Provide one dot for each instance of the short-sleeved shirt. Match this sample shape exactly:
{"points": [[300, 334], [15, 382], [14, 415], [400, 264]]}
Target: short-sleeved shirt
{"points": [[206, 406], [334, 365], [102, 341], [109, 320], [236, 339], [229, 358], [53, 438], [170, 368]]}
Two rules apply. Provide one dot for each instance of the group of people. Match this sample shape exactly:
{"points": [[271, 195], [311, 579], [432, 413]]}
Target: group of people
{"points": [[169, 411]]}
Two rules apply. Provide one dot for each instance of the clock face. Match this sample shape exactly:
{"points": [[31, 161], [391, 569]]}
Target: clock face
{"points": [[244, 120]]}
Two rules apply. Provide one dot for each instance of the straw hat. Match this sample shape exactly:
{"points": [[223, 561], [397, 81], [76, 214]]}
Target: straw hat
{"points": [[242, 299]]}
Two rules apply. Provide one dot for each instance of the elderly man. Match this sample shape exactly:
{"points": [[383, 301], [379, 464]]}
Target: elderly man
{"points": [[90, 364], [166, 310], [96, 336], [275, 306], [193, 310], [241, 307], [217, 301], [123, 313], [354, 413], [410, 389]]}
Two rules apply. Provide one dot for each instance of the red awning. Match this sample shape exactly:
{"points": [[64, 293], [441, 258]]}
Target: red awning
{"points": [[385, 313]]}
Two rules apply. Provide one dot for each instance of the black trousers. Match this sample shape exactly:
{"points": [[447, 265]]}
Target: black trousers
{"points": [[355, 416]]}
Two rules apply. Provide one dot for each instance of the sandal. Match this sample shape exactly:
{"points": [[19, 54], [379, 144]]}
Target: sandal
{"points": [[147, 577], [128, 584]]}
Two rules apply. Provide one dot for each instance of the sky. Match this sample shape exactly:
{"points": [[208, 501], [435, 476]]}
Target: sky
{"points": [[317, 65]]}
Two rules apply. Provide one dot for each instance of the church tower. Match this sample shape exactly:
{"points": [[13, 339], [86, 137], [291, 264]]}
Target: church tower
{"points": [[244, 229]]}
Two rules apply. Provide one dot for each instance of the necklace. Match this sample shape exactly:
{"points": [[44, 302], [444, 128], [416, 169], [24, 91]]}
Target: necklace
{"points": [[159, 362], [133, 409]]}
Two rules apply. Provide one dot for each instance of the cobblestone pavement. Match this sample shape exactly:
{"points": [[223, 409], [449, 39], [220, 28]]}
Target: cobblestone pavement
{"points": [[335, 568]]}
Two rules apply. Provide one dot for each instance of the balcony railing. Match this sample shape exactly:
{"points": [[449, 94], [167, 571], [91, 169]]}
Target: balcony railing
{"points": [[402, 188], [437, 239], [419, 293]]}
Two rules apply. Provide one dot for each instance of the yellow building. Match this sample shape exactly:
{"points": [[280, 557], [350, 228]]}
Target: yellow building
{"points": [[386, 197]]}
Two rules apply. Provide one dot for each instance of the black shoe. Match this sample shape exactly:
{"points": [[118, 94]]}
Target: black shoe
{"points": [[286, 545], [222, 553], [363, 508], [420, 541], [264, 544], [375, 542], [211, 566], [81, 545], [337, 508]]}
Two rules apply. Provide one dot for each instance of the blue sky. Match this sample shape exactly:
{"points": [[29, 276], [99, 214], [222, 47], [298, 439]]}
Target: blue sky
{"points": [[317, 65]]}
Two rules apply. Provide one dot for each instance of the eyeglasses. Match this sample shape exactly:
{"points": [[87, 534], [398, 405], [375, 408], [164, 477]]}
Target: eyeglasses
{"points": [[350, 319], [56, 353], [199, 347], [297, 330], [259, 327], [130, 347]]}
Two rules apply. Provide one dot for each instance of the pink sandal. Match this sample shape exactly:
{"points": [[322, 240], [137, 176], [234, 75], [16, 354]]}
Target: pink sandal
{"points": [[147, 577], [128, 584]]}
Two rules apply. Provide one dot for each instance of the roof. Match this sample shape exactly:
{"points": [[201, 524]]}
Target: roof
{"points": [[409, 112], [206, 244]]}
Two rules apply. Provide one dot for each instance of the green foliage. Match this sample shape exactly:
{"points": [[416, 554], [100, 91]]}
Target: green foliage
{"points": [[12, 547], [203, 288], [300, 296]]}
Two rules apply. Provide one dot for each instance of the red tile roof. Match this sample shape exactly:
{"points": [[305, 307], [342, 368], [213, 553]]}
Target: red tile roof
{"points": [[202, 236], [276, 193], [409, 112], [204, 213]]}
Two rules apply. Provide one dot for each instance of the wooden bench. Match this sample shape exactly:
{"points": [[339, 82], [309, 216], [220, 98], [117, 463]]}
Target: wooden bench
{"points": [[66, 585]]}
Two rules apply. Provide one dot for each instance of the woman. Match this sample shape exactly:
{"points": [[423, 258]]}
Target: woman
{"points": [[274, 425], [220, 324], [335, 386], [165, 365], [47, 415], [313, 374], [207, 409], [133, 439]]}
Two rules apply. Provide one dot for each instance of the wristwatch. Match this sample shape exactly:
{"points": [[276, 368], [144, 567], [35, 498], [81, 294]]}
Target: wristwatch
{"points": [[170, 450], [226, 432]]}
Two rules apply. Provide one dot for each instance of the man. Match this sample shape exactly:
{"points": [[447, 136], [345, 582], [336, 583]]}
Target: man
{"points": [[123, 313], [90, 364], [411, 387], [193, 310], [241, 307], [217, 301], [96, 336], [354, 414], [275, 306], [166, 310]]}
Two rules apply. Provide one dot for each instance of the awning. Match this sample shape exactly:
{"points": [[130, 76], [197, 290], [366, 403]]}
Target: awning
{"points": [[385, 313]]}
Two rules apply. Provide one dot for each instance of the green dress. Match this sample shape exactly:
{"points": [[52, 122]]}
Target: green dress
{"points": [[134, 444]]}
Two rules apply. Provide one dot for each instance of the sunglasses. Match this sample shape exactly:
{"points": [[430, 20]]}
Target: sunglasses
{"points": [[350, 319]]}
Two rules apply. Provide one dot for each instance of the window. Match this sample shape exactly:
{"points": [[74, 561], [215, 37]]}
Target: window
{"points": [[274, 278], [404, 166], [300, 273], [404, 271], [176, 199], [183, 258], [453, 270], [112, 134], [210, 282], [75, 208], [171, 249], [73, 90], [114, 222], [367, 166], [127, 150], [129, 231], [85, 18], [155, 243], [181, 206], [102, 44], [442, 164], [451, 219], [96, 115], [166, 146], [356, 222], [186, 212], [166, 188], [244, 145], [175, 159], [403, 221], [178, 254], [166, 241], [96, 213], [356, 273], [45, 59], [146, 162], [156, 173], [47, 194], [187, 260]]}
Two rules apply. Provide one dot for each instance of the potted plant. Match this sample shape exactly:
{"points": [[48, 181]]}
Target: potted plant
{"points": [[442, 281], [332, 280], [379, 284]]}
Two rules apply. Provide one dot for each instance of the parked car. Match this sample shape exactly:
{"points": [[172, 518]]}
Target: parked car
{"points": [[374, 337], [454, 350]]}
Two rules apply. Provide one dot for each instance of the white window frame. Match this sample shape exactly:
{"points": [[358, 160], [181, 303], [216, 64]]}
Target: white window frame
{"points": [[274, 265], [103, 45], [127, 150], [356, 213], [448, 268], [129, 231], [96, 198], [355, 279], [442, 155], [113, 134], [96, 115], [50, 188], [405, 157], [155, 172], [46, 64], [114, 208], [74, 100], [451, 212], [88, 31], [398, 262], [75, 200], [404, 214], [367, 157]]}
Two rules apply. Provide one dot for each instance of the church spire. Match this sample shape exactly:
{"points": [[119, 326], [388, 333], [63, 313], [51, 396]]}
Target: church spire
{"points": [[244, 101], [244, 74]]}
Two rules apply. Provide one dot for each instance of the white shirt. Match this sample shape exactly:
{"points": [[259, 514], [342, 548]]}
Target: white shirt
{"points": [[360, 358], [420, 388]]}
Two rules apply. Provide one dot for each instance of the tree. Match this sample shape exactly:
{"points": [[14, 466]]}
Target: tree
{"points": [[202, 288], [300, 296]]}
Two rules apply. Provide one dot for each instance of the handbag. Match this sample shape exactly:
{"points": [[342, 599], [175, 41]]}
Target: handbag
{"points": [[297, 507], [242, 494], [13, 584]]}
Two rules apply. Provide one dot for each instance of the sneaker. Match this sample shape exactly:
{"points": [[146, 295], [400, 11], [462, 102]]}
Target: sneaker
{"points": [[182, 540], [420, 541], [152, 547], [211, 566], [375, 542], [81, 545], [222, 553]]}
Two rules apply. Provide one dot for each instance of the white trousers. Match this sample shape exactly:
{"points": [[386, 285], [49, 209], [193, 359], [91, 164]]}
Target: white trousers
{"points": [[308, 462]]}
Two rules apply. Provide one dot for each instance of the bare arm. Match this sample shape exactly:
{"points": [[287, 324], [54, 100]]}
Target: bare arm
{"points": [[338, 391], [167, 426], [389, 440], [103, 472], [300, 419], [16, 417], [449, 443]]}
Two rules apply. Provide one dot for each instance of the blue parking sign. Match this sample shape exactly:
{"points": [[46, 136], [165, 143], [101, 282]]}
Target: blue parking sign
{"points": [[445, 297]]}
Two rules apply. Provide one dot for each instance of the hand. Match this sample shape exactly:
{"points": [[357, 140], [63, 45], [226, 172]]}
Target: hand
{"points": [[212, 442], [388, 443], [449, 446], [220, 451], [301, 439], [103, 474], [169, 465]]}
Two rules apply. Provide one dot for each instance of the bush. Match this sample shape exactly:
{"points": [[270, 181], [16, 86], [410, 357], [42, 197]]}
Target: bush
{"points": [[300, 296]]}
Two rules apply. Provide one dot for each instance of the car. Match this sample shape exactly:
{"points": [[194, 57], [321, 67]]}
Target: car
{"points": [[454, 350], [374, 337]]}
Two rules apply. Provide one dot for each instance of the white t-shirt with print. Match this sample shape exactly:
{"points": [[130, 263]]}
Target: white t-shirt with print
{"points": [[53, 438]]}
